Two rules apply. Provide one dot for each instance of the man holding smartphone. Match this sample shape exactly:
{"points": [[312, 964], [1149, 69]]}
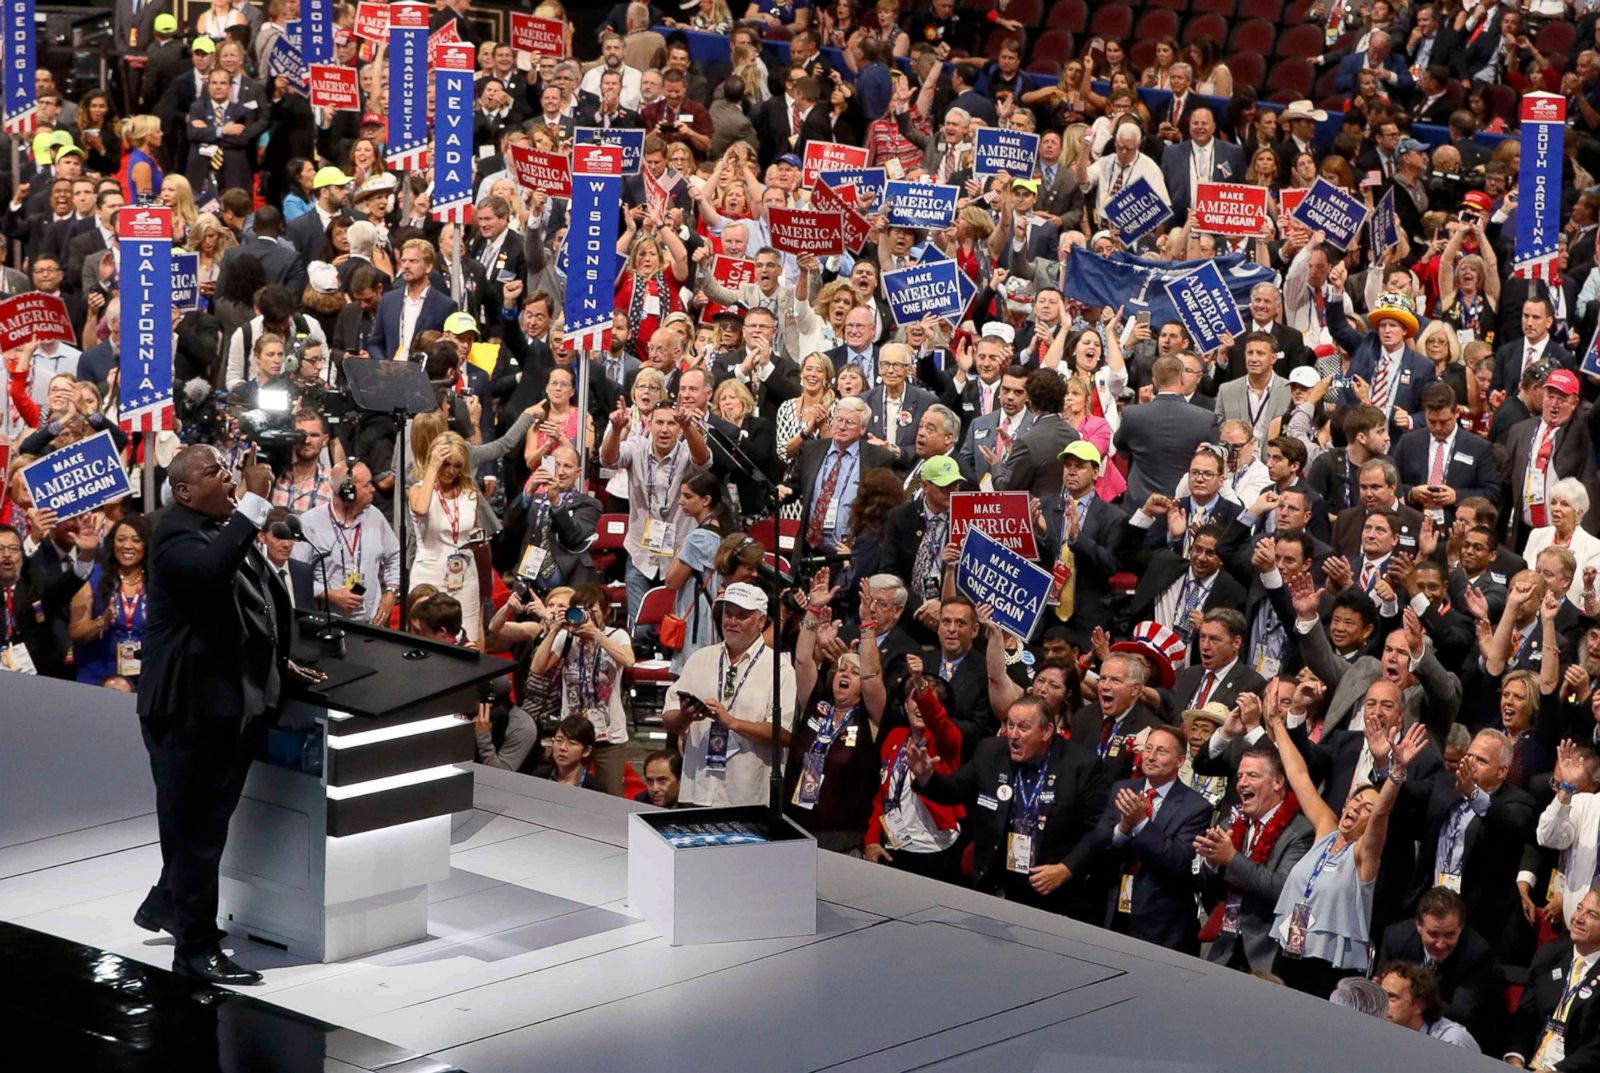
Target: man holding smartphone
{"points": [[723, 708]]}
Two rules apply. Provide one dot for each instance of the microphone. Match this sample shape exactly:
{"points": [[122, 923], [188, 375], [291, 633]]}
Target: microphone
{"points": [[331, 636]]}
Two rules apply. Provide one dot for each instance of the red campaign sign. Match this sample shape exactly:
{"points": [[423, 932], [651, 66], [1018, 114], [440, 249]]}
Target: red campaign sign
{"points": [[538, 36], [1229, 208], [856, 227], [1289, 199], [1544, 108], [806, 231], [444, 35], [5, 468], [454, 56], [372, 23], [407, 17], [730, 272], [334, 87], [597, 160], [1001, 516], [34, 316], [147, 222], [536, 169], [829, 156]]}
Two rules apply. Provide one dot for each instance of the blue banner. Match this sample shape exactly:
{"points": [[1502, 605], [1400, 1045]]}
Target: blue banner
{"points": [[313, 31], [916, 204], [285, 60], [1385, 226], [1333, 212], [407, 141], [79, 477], [865, 180], [1000, 149], [1591, 356], [185, 281], [1136, 285], [144, 235], [1137, 210], [591, 248], [452, 144], [1016, 590], [630, 141], [932, 289], [1539, 186], [1206, 306], [20, 42]]}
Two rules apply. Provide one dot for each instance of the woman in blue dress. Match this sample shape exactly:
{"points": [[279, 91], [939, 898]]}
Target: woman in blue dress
{"points": [[141, 173], [109, 613]]}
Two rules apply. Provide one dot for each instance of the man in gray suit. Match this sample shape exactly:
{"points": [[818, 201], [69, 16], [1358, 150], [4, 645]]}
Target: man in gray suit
{"points": [[1159, 437], [982, 439], [1032, 465], [897, 406], [1261, 394]]}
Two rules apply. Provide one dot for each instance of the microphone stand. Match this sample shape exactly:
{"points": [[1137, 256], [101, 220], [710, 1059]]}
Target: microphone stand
{"points": [[330, 636], [747, 468]]}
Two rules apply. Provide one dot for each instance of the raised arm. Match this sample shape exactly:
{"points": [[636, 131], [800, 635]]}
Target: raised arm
{"points": [[1323, 818], [1003, 692], [873, 693], [805, 645], [1369, 853]]}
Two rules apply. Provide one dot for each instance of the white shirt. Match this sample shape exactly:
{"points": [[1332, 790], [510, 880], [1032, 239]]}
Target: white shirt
{"points": [[744, 780], [410, 310], [1573, 828], [1169, 605], [1120, 839], [629, 98]]}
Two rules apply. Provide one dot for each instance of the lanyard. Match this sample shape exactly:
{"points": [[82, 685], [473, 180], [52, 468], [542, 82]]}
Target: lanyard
{"points": [[899, 774], [650, 462], [589, 684], [451, 509], [731, 697], [1030, 801], [353, 545], [829, 733], [130, 608], [1322, 862]]}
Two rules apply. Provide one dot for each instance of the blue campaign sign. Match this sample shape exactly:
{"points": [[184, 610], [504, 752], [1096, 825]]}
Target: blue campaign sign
{"points": [[999, 149], [144, 237], [932, 289], [1136, 284], [186, 281], [316, 30], [1137, 210], [1385, 225], [1591, 356], [452, 133], [1332, 211], [912, 204], [21, 92], [969, 291], [1016, 589], [1206, 306], [285, 60], [630, 141], [407, 144], [865, 180], [79, 477]]}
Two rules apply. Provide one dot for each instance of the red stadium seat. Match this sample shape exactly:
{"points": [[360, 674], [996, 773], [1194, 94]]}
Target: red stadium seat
{"points": [[1255, 36], [1503, 103], [1291, 75], [1557, 37], [1047, 67], [1214, 27], [1113, 20], [1141, 54], [788, 529], [1213, 7], [1285, 97], [1155, 23], [1298, 12], [1170, 5], [608, 541], [1069, 15], [1324, 87], [1123, 581], [1054, 46], [1028, 12], [1271, 10], [1247, 68], [1303, 42]]}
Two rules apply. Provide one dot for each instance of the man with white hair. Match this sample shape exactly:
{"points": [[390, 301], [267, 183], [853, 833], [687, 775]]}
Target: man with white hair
{"points": [[1109, 175], [946, 154], [830, 474], [898, 406]]}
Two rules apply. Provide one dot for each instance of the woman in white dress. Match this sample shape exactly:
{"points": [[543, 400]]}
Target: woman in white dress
{"points": [[444, 508], [1569, 502]]}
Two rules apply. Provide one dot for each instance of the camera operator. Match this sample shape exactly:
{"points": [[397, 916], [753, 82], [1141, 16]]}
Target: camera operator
{"points": [[307, 481], [362, 552]]}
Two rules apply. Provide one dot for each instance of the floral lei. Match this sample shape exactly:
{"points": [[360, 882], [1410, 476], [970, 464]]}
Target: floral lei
{"points": [[1281, 819]]}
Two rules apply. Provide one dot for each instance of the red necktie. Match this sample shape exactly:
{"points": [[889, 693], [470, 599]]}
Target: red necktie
{"points": [[1436, 474], [794, 121], [1369, 577], [819, 513], [1105, 733], [1380, 385], [1150, 796], [1205, 689], [1542, 464]]}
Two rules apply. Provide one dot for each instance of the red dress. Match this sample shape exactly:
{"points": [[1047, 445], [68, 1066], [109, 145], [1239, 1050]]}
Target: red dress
{"points": [[641, 318]]}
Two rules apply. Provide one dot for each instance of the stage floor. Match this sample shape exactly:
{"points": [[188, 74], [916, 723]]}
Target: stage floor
{"points": [[533, 962]]}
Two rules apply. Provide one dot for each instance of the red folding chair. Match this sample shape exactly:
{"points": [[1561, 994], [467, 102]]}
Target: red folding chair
{"points": [[648, 679], [1069, 15]]}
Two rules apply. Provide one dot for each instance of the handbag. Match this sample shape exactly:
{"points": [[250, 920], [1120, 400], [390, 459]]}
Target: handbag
{"points": [[674, 629]]}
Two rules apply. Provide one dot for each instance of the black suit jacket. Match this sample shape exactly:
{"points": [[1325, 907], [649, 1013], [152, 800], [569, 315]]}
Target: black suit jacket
{"points": [[1508, 359], [1469, 982], [218, 629], [1471, 469], [1163, 909], [1547, 983], [1078, 793], [1291, 353], [80, 247], [1239, 679], [1572, 456], [40, 611], [1095, 558], [810, 464], [1160, 569], [309, 237]]}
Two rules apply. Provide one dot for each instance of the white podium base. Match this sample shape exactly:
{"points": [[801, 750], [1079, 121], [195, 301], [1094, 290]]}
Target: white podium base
{"points": [[717, 894]]}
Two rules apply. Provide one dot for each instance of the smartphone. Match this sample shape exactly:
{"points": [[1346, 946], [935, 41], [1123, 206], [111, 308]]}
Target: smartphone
{"points": [[1143, 319], [505, 277]]}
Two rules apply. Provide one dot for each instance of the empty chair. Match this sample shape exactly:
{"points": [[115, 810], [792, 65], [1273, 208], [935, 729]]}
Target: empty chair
{"points": [[1156, 22], [1291, 75], [1213, 26], [1302, 42], [1054, 46], [1113, 20], [1271, 10], [1248, 68], [1069, 15], [1028, 12], [1253, 35], [1213, 7]]}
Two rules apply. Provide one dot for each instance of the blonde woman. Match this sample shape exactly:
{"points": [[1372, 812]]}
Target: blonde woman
{"points": [[177, 195], [658, 267], [819, 324], [141, 174], [649, 388], [444, 509], [1469, 284], [1439, 343], [216, 20], [805, 416]]}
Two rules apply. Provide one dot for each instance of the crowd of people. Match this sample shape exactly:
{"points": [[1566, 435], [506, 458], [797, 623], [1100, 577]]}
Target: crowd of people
{"points": [[1316, 692]]}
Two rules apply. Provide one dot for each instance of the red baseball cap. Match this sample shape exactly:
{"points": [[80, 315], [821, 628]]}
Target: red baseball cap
{"points": [[1562, 380]]}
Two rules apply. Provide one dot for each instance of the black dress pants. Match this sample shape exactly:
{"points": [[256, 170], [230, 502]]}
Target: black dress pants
{"points": [[199, 767]]}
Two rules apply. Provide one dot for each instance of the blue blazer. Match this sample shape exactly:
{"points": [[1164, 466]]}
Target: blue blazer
{"points": [[385, 337], [1416, 371], [1471, 469], [1164, 886], [1227, 166], [1344, 79]]}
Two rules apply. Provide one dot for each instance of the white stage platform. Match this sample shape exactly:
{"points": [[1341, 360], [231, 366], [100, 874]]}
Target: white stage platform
{"points": [[534, 963]]}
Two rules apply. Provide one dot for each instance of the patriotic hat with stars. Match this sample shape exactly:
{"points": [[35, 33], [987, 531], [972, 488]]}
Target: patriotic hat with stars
{"points": [[1159, 646]]}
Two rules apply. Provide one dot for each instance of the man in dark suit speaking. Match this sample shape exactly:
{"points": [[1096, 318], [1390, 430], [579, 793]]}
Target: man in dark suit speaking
{"points": [[214, 653]]}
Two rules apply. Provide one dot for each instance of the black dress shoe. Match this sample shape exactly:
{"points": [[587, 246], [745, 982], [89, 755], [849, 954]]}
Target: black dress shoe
{"points": [[214, 967], [151, 920]]}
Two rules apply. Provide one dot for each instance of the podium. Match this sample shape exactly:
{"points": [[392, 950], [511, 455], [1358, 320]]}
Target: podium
{"points": [[346, 820]]}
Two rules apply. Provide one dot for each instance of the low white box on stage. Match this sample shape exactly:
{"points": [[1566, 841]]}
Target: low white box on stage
{"points": [[721, 893]]}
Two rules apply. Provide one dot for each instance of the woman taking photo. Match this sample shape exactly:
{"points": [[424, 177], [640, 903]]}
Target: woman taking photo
{"points": [[691, 574], [592, 658], [108, 614], [558, 418], [1324, 914], [444, 510], [141, 175], [648, 288], [97, 133], [830, 777], [1469, 285]]}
